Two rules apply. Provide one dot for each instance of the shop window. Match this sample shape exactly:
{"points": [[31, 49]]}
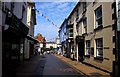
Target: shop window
{"points": [[98, 17], [15, 51], [99, 48], [88, 47]]}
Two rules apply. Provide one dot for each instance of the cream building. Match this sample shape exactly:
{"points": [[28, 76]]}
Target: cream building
{"points": [[96, 21], [94, 33]]}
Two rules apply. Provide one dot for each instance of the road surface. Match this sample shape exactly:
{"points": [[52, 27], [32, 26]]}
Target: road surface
{"points": [[47, 66]]}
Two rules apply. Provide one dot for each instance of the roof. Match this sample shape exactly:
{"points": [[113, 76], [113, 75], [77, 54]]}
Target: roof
{"points": [[73, 10]]}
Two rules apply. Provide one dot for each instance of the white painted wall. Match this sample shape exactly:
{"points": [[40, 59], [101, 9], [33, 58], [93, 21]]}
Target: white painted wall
{"points": [[30, 24], [51, 44], [41, 45]]}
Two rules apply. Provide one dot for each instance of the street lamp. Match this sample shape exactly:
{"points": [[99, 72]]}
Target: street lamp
{"points": [[69, 40], [9, 15]]}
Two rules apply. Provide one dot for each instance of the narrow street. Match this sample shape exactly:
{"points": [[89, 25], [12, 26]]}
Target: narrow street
{"points": [[75, 38], [49, 65]]}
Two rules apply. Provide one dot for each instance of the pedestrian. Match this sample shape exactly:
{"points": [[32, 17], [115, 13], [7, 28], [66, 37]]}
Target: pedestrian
{"points": [[39, 50], [36, 51]]}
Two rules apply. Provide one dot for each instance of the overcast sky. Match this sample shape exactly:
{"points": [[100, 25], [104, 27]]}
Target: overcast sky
{"points": [[54, 11]]}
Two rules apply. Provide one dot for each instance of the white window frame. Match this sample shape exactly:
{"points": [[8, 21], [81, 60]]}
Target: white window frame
{"points": [[88, 47], [70, 32], [99, 47], [98, 18]]}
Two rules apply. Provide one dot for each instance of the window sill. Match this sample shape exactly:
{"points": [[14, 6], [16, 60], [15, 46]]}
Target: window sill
{"points": [[99, 58], [98, 28]]}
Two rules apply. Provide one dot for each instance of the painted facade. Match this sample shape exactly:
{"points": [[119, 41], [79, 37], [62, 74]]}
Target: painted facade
{"points": [[93, 25], [31, 22]]}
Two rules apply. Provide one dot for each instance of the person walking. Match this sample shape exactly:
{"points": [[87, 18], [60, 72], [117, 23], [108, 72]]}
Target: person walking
{"points": [[39, 50]]}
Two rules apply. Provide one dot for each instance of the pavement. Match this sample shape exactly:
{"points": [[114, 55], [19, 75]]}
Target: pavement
{"points": [[83, 68], [28, 68]]}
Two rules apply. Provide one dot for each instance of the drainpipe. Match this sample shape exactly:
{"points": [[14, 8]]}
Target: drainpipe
{"points": [[118, 37]]}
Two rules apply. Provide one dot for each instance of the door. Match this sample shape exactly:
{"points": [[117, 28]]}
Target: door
{"points": [[81, 51]]}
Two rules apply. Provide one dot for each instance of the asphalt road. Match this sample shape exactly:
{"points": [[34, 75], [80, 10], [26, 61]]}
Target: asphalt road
{"points": [[52, 66], [46, 66]]}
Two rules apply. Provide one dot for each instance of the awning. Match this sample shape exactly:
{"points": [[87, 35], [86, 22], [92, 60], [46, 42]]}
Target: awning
{"points": [[32, 38]]}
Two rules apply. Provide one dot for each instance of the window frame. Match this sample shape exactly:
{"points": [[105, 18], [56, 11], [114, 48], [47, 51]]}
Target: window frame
{"points": [[98, 20], [88, 48], [99, 46], [71, 33]]}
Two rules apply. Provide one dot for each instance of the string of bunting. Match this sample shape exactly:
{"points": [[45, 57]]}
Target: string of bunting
{"points": [[46, 18]]}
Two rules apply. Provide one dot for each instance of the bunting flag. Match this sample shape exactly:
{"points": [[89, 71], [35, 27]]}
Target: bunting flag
{"points": [[46, 18]]}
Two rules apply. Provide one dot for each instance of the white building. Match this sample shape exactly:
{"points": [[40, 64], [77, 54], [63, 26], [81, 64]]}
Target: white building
{"points": [[31, 22], [49, 44], [58, 42]]}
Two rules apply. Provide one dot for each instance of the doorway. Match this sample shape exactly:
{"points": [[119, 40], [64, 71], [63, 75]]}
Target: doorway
{"points": [[81, 51]]}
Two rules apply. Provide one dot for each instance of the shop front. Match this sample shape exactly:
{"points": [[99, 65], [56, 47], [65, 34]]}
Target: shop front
{"points": [[13, 35]]}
